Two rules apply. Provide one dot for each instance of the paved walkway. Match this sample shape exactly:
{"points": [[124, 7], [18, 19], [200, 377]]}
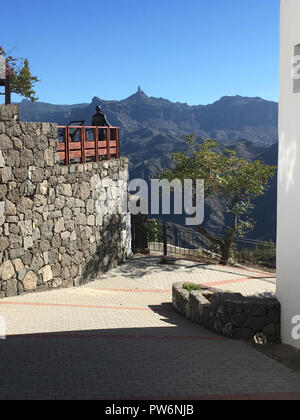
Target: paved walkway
{"points": [[119, 338]]}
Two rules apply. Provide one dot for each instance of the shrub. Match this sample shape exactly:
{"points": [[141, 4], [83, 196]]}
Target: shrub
{"points": [[154, 231], [191, 286]]}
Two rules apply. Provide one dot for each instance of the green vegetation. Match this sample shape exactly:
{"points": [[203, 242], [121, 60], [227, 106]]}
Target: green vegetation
{"points": [[263, 254], [154, 231], [22, 81], [191, 286], [237, 181]]}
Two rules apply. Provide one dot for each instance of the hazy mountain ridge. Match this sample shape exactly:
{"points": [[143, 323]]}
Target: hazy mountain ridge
{"points": [[153, 128], [226, 120]]}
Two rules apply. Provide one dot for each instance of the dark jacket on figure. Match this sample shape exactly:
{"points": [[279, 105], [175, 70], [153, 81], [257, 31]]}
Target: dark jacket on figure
{"points": [[99, 120]]}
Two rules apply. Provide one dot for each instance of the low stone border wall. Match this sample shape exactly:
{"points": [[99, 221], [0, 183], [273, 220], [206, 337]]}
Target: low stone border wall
{"points": [[230, 314]]}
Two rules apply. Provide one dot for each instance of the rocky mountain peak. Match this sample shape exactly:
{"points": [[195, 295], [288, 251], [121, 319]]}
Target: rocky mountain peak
{"points": [[138, 96]]}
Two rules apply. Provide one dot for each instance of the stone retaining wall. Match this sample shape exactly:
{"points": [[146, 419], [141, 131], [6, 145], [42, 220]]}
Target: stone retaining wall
{"points": [[229, 314], [54, 226]]}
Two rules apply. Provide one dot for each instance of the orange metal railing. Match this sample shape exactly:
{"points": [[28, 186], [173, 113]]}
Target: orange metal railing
{"points": [[75, 142]]}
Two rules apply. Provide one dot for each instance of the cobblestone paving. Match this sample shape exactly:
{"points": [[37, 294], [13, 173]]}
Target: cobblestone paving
{"points": [[119, 338]]}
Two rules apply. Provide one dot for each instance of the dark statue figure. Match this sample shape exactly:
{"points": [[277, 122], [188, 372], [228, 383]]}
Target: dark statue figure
{"points": [[99, 120]]}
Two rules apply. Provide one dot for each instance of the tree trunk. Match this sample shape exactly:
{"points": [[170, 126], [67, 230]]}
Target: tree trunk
{"points": [[224, 243], [226, 247], [208, 236], [225, 252]]}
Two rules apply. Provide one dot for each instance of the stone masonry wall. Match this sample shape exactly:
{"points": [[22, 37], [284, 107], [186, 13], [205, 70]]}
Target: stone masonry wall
{"points": [[53, 228], [230, 314]]}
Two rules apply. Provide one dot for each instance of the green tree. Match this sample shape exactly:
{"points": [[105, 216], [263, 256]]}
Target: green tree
{"points": [[21, 79], [237, 181]]}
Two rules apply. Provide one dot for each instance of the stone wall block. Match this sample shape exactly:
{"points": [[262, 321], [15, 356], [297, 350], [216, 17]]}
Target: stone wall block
{"points": [[30, 281]]}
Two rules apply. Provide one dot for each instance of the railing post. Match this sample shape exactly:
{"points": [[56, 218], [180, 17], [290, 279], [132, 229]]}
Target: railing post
{"points": [[67, 147], [118, 144], [82, 142], [165, 238], [107, 135], [96, 139]]}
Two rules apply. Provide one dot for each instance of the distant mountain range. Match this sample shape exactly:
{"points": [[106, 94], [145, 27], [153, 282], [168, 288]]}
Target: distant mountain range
{"points": [[152, 128]]}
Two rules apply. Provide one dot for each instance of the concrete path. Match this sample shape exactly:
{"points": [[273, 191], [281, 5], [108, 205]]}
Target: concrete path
{"points": [[119, 338]]}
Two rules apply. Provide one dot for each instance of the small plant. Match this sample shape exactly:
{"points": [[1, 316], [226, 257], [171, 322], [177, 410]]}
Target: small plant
{"points": [[154, 231], [191, 286]]}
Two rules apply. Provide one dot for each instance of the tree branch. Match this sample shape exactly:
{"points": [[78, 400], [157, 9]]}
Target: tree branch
{"points": [[209, 236]]}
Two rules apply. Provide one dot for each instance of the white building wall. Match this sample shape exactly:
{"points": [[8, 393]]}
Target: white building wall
{"points": [[288, 239]]}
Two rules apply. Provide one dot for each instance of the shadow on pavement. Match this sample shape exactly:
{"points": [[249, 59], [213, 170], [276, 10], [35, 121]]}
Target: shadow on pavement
{"points": [[137, 363], [104, 364], [140, 266]]}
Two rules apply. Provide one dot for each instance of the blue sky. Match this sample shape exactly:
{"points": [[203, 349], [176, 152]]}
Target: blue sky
{"points": [[192, 51]]}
